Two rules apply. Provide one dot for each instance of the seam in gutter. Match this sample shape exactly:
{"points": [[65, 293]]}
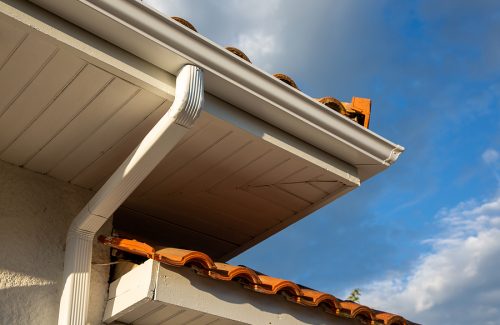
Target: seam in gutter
{"points": [[169, 130]]}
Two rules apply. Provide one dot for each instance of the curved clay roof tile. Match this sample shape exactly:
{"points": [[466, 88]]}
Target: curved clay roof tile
{"points": [[183, 257], [272, 285], [334, 104], [184, 22], [286, 79], [238, 52], [314, 298], [229, 272], [390, 319], [128, 245], [354, 310]]}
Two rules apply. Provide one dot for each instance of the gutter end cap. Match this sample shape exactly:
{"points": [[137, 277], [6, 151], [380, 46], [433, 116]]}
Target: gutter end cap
{"points": [[394, 155]]}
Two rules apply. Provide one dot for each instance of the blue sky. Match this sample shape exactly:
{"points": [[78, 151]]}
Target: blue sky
{"points": [[427, 230]]}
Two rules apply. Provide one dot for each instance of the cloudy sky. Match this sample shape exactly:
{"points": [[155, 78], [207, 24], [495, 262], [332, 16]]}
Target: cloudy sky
{"points": [[423, 238]]}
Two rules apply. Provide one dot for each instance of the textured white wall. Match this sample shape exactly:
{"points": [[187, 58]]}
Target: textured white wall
{"points": [[35, 212]]}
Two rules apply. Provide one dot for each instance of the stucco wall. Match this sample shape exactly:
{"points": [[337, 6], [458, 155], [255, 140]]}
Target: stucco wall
{"points": [[35, 212]]}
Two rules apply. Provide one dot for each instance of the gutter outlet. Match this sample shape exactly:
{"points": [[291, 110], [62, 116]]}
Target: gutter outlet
{"points": [[169, 130]]}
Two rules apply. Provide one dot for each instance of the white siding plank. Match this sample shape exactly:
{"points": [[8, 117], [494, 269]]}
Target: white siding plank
{"points": [[249, 218], [329, 186], [309, 173], [212, 156], [247, 153], [134, 112], [107, 103], [158, 315], [304, 191], [279, 172], [44, 89], [253, 169], [204, 320], [66, 107], [184, 318], [258, 207], [196, 217], [22, 66], [95, 174], [181, 155], [140, 312], [280, 197], [10, 38]]}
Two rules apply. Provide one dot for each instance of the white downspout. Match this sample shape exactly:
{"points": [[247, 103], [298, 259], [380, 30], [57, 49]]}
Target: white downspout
{"points": [[153, 148]]}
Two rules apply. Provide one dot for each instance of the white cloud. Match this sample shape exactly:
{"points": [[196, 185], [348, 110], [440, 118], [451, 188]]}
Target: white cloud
{"points": [[459, 282], [490, 156], [258, 46]]}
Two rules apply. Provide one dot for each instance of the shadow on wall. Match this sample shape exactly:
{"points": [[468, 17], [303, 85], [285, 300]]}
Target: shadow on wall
{"points": [[37, 297]]}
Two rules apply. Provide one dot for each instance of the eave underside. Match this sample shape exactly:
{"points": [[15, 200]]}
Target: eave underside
{"points": [[74, 110]]}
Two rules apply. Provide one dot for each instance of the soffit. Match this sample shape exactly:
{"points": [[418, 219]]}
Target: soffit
{"points": [[59, 112], [169, 45], [75, 113]]}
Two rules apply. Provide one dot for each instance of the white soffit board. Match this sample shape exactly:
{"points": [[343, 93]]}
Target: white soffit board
{"points": [[65, 100], [231, 188], [156, 294], [73, 107], [232, 182], [153, 37]]}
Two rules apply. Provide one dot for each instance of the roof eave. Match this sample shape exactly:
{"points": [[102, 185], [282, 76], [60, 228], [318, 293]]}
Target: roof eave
{"points": [[163, 42]]}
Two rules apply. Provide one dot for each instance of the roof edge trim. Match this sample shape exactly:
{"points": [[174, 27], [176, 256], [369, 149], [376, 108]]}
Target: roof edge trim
{"points": [[295, 113]]}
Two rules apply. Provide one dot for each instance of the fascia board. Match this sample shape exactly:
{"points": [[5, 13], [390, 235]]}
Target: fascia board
{"points": [[168, 45]]}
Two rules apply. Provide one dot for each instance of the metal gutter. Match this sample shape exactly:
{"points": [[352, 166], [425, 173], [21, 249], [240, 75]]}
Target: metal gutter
{"points": [[169, 130], [153, 37]]}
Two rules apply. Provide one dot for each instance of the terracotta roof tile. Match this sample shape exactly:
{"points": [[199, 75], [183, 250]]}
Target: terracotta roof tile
{"points": [[184, 22], [238, 52], [354, 310], [334, 104], [227, 272], [128, 245], [183, 257], [315, 298], [272, 286], [358, 111], [205, 266], [286, 79], [390, 319]]}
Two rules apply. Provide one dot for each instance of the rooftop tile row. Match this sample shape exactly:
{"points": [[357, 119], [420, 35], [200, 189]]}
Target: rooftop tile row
{"points": [[203, 265], [358, 110]]}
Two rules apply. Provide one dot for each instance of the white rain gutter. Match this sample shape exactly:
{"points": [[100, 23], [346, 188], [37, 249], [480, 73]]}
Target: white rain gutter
{"points": [[151, 36], [169, 130]]}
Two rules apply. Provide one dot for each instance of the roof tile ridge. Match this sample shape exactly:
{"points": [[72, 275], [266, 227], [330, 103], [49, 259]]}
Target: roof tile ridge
{"points": [[129, 245], [255, 281], [183, 257]]}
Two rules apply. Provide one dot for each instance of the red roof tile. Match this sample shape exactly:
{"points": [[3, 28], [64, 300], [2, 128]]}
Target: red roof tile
{"points": [[205, 266], [286, 79], [238, 52], [229, 272], [182, 257], [184, 22]]}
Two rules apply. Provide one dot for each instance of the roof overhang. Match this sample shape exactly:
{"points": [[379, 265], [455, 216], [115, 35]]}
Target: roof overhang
{"points": [[159, 40], [262, 155]]}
